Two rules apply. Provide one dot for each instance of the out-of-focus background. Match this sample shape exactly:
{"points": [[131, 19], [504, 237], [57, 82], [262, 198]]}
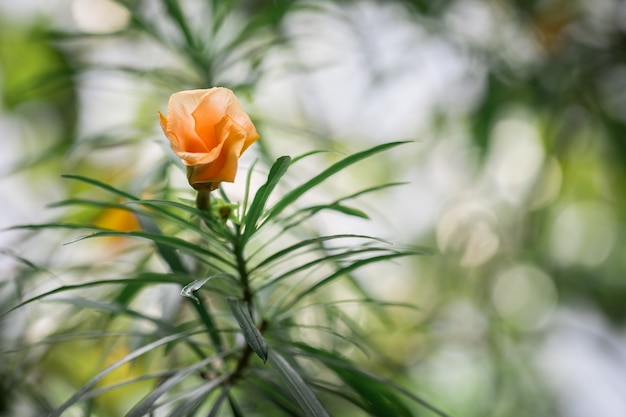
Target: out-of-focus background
{"points": [[516, 176]]}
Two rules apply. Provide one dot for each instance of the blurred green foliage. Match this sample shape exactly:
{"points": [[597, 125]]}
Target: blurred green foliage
{"points": [[556, 68], [37, 86]]}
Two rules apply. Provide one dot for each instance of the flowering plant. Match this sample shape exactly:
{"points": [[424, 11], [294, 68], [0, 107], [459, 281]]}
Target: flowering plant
{"points": [[226, 306], [247, 269]]}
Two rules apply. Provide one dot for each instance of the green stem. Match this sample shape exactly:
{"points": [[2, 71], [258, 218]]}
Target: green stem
{"points": [[248, 297], [203, 199], [242, 269]]}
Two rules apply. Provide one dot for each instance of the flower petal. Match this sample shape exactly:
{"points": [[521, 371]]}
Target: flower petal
{"points": [[224, 168], [200, 158], [216, 103], [180, 123]]}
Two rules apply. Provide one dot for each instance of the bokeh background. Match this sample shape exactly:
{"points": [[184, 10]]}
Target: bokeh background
{"points": [[516, 176]]}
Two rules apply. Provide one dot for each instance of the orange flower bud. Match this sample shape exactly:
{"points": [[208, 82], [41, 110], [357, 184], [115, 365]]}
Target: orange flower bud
{"points": [[208, 130]]}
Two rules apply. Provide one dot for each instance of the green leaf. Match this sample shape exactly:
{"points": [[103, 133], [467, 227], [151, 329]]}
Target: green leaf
{"points": [[307, 154], [250, 332], [260, 199], [78, 395], [101, 184], [92, 203], [176, 15], [358, 377], [146, 406], [165, 244], [309, 242], [342, 271], [141, 280], [168, 254], [266, 387], [326, 258], [194, 286], [218, 236], [297, 192], [325, 304], [156, 205], [300, 391], [172, 259], [156, 376], [217, 405], [84, 303], [198, 395], [347, 337], [379, 400], [146, 219], [246, 195], [351, 211], [338, 206], [234, 408]]}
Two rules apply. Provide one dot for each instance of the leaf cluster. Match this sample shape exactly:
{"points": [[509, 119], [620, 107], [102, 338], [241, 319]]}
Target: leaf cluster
{"points": [[250, 280]]}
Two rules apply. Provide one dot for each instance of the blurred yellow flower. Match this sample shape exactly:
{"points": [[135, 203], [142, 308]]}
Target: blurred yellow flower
{"points": [[208, 130], [117, 219]]}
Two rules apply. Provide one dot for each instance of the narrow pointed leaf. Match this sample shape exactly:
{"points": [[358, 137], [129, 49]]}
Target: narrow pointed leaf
{"points": [[350, 211], [176, 14], [246, 195], [327, 258], [250, 332], [310, 242], [260, 199], [274, 393], [297, 192], [300, 391], [217, 405], [234, 408], [146, 406], [341, 365], [168, 254], [342, 271], [306, 155], [101, 185], [198, 396], [194, 286], [78, 396], [141, 280]]}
